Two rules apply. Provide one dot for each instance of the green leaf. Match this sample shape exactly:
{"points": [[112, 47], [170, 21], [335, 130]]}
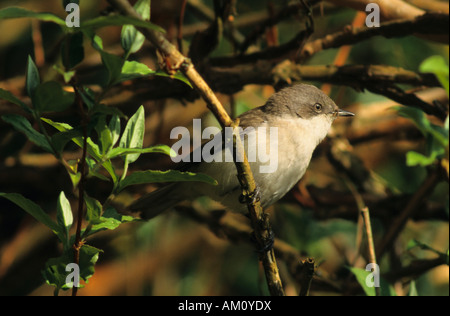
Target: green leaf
{"points": [[93, 170], [104, 109], [120, 20], [74, 175], [161, 149], [179, 76], [114, 127], [156, 176], [64, 217], [93, 209], [104, 135], [363, 276], [56, 271], [424, 125], [8, 96], [114, 66], [16, 12], [112, 63], [67, 75], [133, 135], [32, 77], [438, 66], [50, 97], [21, 124], [133, 69], [92, 148], [88, 258], [34, 210], [130, 38], [413, 289], [111, 220], [416, 159], [59, 140], [72, 50]]}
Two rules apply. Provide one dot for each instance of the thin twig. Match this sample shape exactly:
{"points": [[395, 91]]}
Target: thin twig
{"points": [[411, 208], [430, 5], [390, 10], [372, 257], [180, 26], [176, 61], [432, 23], [272, 20]]}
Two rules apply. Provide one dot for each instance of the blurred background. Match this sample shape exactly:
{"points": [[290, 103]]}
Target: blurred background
{"points": [[190, 253]]}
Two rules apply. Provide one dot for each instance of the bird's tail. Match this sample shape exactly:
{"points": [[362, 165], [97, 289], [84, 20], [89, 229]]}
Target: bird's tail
{"points": [[156, 202]]}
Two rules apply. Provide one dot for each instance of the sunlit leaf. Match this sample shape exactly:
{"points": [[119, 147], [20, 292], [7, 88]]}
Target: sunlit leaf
{"points": [[133, 135], [64, 217]]}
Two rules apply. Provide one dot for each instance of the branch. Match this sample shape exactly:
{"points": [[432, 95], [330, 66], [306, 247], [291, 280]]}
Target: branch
{"points": [[409, 211], [430, 5], [305, 275], [390, 9], [301, 7], [368, 226], [428, 24], [415, 269], [228, 80], [177, 61]]}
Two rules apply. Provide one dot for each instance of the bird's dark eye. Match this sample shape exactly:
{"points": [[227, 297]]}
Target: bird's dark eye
{"points": [[318, 107]]}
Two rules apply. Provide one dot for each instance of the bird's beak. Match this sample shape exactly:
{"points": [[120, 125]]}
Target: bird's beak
{"points": [[344, 113]]}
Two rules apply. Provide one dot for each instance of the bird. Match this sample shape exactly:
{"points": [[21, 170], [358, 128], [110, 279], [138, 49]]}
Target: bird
{"points": [[300, 115]]}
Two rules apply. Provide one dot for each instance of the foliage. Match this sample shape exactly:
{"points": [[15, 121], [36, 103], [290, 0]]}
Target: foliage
{"points": [[96, 119], [84, 94]]}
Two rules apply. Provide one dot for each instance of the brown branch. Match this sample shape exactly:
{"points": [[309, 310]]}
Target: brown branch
{"points": [[177, 61], [390, 10], [428, 24], [377, 79], [409, 99], [430, 5], [237, 229], [180, 26], [305, 275], [356, 76], [409, 211], [415, 269], [368, 226], [302, 8]]}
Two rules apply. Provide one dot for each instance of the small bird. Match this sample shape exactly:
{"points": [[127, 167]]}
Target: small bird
{"points": [[301, 115]]}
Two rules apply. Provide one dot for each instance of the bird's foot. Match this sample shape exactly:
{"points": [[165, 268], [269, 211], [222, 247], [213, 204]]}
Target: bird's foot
{"points": [[252, 197], [266, 244]]}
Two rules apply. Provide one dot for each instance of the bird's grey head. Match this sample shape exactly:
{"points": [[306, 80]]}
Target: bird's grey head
{"points": [[305, 102], [305, 108]]}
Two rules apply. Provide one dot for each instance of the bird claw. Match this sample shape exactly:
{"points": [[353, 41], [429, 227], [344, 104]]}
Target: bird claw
{"points": [[266, 244], [252, 197]]}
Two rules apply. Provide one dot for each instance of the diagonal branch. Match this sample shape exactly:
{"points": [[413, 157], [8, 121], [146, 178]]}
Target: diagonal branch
{"points": [[177, 61], [428, 24], [390, 9]]}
